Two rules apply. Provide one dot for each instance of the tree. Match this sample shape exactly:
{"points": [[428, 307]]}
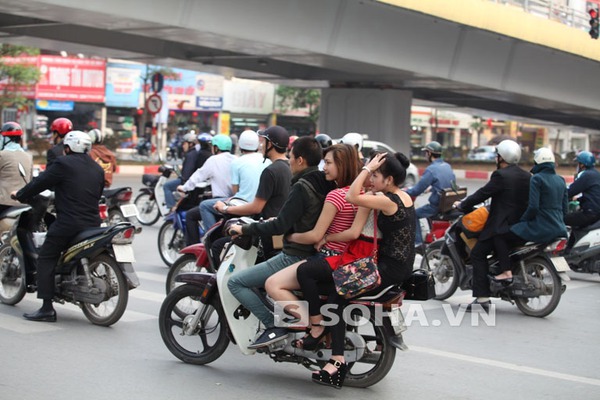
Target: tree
{"points": [[291, 98], [16, 77]]}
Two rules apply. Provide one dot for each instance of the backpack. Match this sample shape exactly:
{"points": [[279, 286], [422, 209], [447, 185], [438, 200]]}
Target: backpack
{"points": [[474, 222]]}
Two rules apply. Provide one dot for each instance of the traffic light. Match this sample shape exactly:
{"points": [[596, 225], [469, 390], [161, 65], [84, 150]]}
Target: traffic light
{"points": [[593, 23]]}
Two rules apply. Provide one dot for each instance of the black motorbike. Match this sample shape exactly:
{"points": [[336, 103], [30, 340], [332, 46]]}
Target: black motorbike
{"points": [[118, 205], [94, 273], [538, 272]]}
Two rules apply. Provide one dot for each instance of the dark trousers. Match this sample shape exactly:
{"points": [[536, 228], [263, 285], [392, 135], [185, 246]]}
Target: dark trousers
{"points": [[192, 219], [503, 244], [581, 218], [50, 252], [481, 268]]}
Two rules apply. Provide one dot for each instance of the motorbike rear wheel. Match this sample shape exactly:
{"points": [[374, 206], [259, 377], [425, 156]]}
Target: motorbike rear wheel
{"points": [[197, 344], [185, 263], [443, 270], [170, 241], [12, 276], [148, 212], [539, 270], [111, 310]]}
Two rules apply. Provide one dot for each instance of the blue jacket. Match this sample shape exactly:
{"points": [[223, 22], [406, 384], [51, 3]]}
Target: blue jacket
{"points": [[439, 176], [587, 183], [543, 219]]}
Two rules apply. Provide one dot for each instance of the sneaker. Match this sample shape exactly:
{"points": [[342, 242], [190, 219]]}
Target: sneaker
{"points": [[476, 306], [269, 336]]}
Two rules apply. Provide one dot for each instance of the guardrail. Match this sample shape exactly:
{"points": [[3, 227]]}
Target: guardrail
{"points": [[553, 10]]}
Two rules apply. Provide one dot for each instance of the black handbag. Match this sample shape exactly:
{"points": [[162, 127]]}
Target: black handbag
{"points": [[419, 286]]}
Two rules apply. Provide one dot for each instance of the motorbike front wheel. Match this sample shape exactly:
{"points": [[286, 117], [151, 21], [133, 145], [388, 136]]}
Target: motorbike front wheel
{"points": [[111, 310], [200, 342], [12, 276], [443, 270], [170, 241], [148, 212], [538, 273]]}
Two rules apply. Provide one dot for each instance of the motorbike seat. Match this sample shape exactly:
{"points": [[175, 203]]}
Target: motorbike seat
{"points": [[88, 233], [113, 192], [9, 211], [150, 179]]}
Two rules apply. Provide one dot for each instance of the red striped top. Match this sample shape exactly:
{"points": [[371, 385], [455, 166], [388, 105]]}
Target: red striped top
{"points": [[344, 217]]}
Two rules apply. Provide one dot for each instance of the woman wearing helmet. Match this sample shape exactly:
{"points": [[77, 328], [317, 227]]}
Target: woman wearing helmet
{"points": [[59, 128], [103, 156], [508, 190], [11, 155], [77, 182], [587, 184]]}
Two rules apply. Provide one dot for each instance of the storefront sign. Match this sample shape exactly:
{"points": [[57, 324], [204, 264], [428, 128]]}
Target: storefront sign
{"points": [[69, 78], [245, 96], [54, 105], [123, 84]]}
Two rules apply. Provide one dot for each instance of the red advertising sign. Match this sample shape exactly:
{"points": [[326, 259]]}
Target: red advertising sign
{"points": [[75, 79]]}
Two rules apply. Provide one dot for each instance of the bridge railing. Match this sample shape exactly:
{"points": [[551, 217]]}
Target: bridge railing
{"points": [[554, 10]]}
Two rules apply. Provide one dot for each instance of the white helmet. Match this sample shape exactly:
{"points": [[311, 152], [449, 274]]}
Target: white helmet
{"points": [[353, 139], [248, 140], [189, 137], [543, 155], [78, 142], [96, 136], [509, 150]]}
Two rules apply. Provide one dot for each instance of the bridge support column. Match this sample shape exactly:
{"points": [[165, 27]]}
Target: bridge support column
{"points": [[383, 114]]}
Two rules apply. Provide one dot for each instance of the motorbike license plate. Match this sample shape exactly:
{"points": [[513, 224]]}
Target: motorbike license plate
{"points": [[397, 320], [560, 264], [129, 210], [124, 253]]}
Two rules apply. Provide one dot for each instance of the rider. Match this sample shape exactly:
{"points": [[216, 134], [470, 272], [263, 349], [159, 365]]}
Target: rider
{"points": [[508, 189], [77, 182], [439, 176], [356, 140], [11, 155], [188, 167], [59, 128], [325, 141], [215, 170], [203, 148], [298, 214], [588, 184], [103, 156]]}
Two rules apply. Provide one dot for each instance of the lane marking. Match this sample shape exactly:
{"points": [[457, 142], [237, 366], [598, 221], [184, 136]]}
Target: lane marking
{"points": [[152, 276]]}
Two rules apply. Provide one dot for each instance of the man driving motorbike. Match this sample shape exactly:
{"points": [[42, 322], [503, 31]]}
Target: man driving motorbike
{"points": [[59, 128], [508, 190], [77, 181], [188, 167], [11, 155], [588, 184]]}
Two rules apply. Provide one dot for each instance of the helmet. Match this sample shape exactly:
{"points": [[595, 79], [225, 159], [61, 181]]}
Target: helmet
{"points": [[11, 129], [96, 136], [509, 150], [324, 140], [291, 141], [585, 157], [433, 148], [353, 139], [278, 136], [78, 142], [62, 126], [223, 142], [543, 155], [205, 137], [248, 140], [189, 137]]}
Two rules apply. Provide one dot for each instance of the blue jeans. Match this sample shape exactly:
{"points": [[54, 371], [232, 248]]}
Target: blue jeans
{"points": [[169, 187], [208, 214], [241, 283], [423, 212]]}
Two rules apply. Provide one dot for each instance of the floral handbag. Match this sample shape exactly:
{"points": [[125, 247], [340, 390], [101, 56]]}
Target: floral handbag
{"points": [[359, 276]]}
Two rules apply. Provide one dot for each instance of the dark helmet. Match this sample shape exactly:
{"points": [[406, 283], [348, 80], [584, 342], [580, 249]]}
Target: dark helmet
{"points": [[585, 157], [11, 129], [433, 147], [324, 140], [278, 136], [62, 126]]}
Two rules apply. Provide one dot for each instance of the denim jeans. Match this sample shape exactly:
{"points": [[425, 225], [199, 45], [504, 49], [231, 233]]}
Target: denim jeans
{"points": [[169, 187], [241, 284], [423, 212], [208, 214]]}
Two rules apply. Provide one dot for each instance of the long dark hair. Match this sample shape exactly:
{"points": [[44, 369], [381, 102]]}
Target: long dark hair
{"points": [[395, 165]]}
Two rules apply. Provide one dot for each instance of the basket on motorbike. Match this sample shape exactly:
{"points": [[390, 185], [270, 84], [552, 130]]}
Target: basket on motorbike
{"points": [[449, 196], [150, 180]]}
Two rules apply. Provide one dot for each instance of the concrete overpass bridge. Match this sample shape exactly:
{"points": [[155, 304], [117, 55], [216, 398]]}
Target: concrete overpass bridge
{"points": [[368, 55]]}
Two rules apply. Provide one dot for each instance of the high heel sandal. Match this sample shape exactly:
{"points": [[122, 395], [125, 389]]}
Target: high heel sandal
{"points": [[336, 379], [310, 343]]}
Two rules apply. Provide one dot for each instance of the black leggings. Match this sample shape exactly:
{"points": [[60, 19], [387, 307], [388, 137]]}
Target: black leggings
{"points": [[503, 244]]}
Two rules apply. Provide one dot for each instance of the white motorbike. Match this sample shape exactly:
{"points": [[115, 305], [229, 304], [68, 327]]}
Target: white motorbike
{"points": [[150, 203], [199, 318], [584, 254]]}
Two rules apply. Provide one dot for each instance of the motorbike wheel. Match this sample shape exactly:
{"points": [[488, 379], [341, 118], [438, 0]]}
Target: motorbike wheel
{"points": [[443, 270], [111, 310], [12, 276], [545, 276], [185, 263], [170, 242], [378, 358], [201, 343], [148, 212]]}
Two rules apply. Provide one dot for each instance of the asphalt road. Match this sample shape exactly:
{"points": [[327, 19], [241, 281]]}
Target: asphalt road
{"points": [[509, 357]]}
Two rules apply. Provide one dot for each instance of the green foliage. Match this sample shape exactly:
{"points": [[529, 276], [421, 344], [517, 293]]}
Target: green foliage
{"points": [[16, 76], [291, 98]]}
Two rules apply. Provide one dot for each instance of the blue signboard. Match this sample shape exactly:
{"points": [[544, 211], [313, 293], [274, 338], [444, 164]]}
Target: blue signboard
{"points": [[54, 105]]}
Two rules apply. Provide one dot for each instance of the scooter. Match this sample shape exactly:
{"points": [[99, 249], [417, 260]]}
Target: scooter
{"points": [[150, 203], [198, 319], [538, 270], [584, 255], [118, 205]]}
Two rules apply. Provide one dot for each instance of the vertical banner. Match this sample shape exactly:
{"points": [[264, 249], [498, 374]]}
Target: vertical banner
{"points": [[224, 123]]}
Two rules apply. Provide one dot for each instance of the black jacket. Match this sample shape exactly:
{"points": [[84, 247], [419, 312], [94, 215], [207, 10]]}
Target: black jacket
{"points": [[77, 181], [55, 152], [509, 190]]}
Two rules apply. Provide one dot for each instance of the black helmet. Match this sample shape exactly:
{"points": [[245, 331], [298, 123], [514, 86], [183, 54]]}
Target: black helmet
{"points": [[11, 129], [324, 140], [433, 147], [278, 136]]}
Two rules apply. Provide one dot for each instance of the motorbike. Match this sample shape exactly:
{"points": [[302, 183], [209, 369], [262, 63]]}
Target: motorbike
{"points": [[538, 272], [584, 255], [118, 207], [94, 273], [150, 202], [144, 147], [435, 227], [175, 150], [199, 318]]}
